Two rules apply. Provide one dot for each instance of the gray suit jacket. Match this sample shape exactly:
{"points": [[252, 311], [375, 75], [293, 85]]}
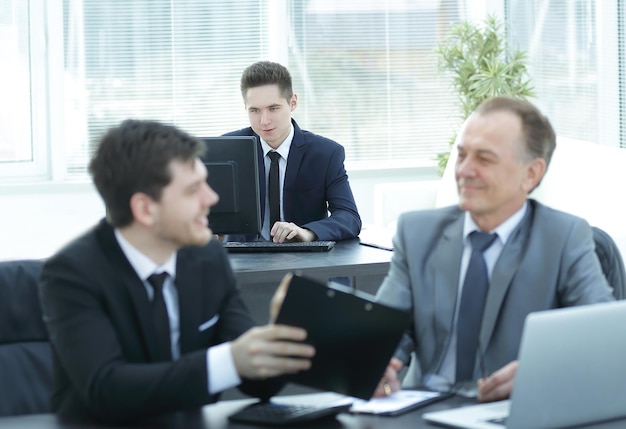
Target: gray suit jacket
{"points": [[548, 262]]}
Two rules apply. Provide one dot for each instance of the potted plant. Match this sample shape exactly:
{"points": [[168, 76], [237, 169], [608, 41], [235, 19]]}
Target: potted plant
{"points": [[480, 65]]}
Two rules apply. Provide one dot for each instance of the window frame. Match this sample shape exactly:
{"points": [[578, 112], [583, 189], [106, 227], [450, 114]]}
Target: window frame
{"points": [[38, 167]]}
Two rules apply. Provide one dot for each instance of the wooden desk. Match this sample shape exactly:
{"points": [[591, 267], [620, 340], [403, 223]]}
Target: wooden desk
{"points": [[216, 417], [347, 259]]}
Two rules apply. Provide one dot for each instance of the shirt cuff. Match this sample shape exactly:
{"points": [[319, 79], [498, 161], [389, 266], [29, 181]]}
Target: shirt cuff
{"points": [[221, 371]]}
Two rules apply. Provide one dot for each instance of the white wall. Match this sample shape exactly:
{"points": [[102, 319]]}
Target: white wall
{"points": [[36, 220], [382, 194]]}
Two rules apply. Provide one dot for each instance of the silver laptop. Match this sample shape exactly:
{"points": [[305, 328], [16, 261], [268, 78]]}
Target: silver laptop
{"points": [[572, 370]]}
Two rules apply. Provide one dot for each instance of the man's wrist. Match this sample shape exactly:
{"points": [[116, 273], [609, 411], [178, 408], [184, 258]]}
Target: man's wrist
{"points": [[309, 235]]}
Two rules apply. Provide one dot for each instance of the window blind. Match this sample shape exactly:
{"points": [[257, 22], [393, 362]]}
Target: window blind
{"points": [[365, 71], [368, 75], [573, 66], [174, 61]]}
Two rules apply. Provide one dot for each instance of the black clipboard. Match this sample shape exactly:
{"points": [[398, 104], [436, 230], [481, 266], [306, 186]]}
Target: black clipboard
{"points": [[354, 336]]}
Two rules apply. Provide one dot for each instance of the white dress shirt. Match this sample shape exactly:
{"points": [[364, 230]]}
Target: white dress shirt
{"points": [[283, 151]]}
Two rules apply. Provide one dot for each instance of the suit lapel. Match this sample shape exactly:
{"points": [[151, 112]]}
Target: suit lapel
{"points": [[189, 290], [503, 272], [446, 256], [131, 287], [296, 154]]}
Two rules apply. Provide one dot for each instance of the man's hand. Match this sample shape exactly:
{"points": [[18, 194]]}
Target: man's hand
{"points": [[289, 231], [389, 383], [498, 385], [271, 350]]}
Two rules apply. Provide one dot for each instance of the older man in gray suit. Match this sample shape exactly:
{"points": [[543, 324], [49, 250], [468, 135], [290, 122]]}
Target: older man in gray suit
{"points": [[539, 259]]}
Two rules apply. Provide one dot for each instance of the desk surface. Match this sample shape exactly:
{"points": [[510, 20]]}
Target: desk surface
{"points": [[347, 259], [216, 417]]}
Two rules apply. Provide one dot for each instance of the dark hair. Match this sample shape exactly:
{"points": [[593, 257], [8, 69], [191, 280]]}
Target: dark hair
{"points": [[267, 73], [134, 157], [539, 135]]}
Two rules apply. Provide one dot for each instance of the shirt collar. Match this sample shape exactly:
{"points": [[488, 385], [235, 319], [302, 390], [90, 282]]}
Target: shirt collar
{"points": [[503, 230], [283, 149], [144, 266]]}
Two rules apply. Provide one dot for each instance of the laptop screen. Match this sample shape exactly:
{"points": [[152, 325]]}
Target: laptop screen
{"points": [[572, 371]]}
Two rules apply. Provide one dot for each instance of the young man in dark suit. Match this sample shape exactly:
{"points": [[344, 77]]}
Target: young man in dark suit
{"points": [[126, 347], [313, 179]]}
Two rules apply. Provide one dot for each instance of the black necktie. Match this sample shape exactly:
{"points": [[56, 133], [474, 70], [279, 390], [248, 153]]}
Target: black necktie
{"points": [[472, 305], [273, 188], [160, 318]]}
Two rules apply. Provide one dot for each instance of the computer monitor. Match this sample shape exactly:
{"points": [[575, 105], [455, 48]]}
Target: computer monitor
{"points": [[232, 164]]}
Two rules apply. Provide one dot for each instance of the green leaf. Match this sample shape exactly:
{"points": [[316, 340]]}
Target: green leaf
{"points": [[475, 58]]}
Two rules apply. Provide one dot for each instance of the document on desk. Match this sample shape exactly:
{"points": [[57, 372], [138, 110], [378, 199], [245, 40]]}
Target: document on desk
{"points": [[381, 238], [397, 403]]}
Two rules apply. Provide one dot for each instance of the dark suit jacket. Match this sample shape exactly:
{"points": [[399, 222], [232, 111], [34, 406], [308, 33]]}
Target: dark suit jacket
{"points": [[316, 182], [98, 315], [547, 262]]}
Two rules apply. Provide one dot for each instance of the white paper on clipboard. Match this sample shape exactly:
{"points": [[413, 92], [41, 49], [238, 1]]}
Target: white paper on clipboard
{"points": [[396, 403]]}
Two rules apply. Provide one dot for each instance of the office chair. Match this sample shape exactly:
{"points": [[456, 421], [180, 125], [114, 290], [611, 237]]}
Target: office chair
{"points": [[611, 261], [25, 354]]}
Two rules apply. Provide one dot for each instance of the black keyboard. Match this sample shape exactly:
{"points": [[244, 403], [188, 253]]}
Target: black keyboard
{"points": [[270, 246], [270, 413]]}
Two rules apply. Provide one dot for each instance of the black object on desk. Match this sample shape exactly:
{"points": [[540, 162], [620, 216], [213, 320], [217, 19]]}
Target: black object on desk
{"points": [[353, 335], [275, 414], [270, 246], [232, 165]]}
